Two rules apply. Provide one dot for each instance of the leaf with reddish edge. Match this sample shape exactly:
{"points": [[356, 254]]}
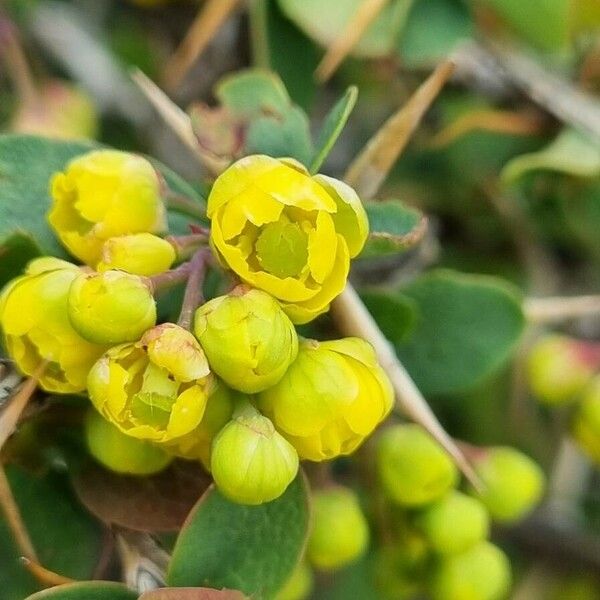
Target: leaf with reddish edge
{"points": [[159, 503], [195, 593]]}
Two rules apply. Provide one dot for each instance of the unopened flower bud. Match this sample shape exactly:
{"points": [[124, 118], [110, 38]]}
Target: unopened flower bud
{"points": [[480, 573], [454, 523], [154, 389], [340, 533], [111, 307], [513, 484], [120, 452], [104, 194], [560, 367], [139, 253], [413, 468], [251, 463], [249, 341], [330, 399], [585, 427]]}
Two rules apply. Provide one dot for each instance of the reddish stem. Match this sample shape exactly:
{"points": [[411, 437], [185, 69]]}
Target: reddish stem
{"points": [[193, 296]]}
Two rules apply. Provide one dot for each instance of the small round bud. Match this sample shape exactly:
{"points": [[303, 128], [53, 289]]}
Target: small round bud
{"points": [[413, 468], [298, 586], [111, 307], [454, 523], [340, 533], [513, 484], [154, 389], [104, 194], [139, 253], [249, 341], [481, 573], [399, 569], [120, 452], [330, 399], [585, 426], [560, 367], [251, 463]]}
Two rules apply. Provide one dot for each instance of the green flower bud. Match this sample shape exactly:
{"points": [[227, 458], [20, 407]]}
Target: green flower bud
{"points": [[248, 339], [480, 573], [340, 533], [299, 585], [120, 452], [111, 307], [399, 569], [251, 463], [138, 253], [454, 523], [559, 368], [513, 483], [585, 427], [413, 468]]}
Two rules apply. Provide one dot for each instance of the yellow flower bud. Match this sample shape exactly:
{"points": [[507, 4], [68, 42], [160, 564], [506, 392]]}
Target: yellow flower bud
{"points": [[139, 253], [251, 463], [119, 452], [413, 468], [560, 367], [196, 445], [153, 389], [36, 327], [287, 232], [340, 533], [585, 426], [299, 585], [330, 399], [480, 573], [248, 339], [104, 194], [111, 307]]}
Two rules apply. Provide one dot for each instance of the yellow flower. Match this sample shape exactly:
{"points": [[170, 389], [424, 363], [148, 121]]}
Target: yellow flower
{"points": [[251, 463], [139, 253], [196, 445], [330, 399], [248, 339], [285, 232], [36, 327], [154, 389], [103, 194], [111, 307]]}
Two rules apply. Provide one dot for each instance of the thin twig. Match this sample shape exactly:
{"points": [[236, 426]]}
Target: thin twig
{"points": [[209, 20], [193, 296], [13, 518], [164, 281], [561, 308], [45, 576], [341, 46], [353, 318]]}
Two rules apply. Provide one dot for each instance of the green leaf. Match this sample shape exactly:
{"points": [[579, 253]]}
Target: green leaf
{"points": [[253, 91], [282, 135], [15, 252], [332, 127], [396, 315], [250, 548], [87, 590], [394, 227], [467, 328], [571, 153], [433, 30], [66, 538], [324, 21]]}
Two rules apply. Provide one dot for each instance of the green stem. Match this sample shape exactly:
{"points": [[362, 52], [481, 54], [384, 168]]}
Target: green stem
{"points": [[184, 205], [259, 36], [186, 245]]}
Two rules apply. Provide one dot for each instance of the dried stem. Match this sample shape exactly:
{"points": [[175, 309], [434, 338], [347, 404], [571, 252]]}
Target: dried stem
{"points": [[13, 518], [210, 18], [46, 577], [350, 36], [561, 308], [193, 296], [163, 281], [354, 319]]}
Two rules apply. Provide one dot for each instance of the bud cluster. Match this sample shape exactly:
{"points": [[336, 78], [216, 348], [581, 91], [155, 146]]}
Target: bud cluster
{"points": [[231, 384]]}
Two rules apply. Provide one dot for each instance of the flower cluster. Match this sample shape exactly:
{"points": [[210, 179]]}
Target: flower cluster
{"points": [[230, 384]]}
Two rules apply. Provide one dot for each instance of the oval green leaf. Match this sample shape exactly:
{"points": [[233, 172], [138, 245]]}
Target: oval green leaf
{"points": [[87, 590]]}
